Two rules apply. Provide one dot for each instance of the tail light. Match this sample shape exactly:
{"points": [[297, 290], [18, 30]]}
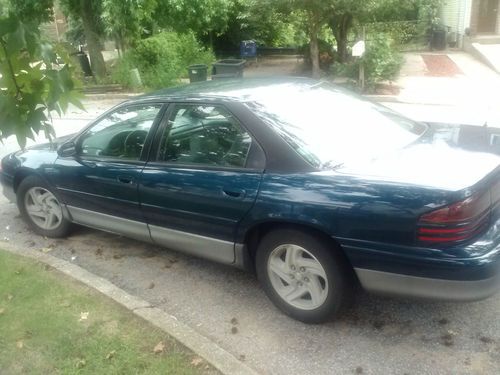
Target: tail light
{"points": [[456, 222]]}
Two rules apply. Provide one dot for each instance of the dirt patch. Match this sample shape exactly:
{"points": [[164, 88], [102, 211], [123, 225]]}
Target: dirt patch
{"points": [[440, 66]]}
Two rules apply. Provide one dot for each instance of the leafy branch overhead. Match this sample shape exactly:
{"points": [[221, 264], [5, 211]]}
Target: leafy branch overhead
{"points": [[32, 83]]}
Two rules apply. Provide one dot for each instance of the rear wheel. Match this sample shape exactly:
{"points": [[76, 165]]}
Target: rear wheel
{"points": [[303, 275], [41, 209]]}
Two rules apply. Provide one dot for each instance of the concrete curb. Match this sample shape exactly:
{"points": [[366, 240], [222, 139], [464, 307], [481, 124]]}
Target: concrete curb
{"points": [[222, 360]]}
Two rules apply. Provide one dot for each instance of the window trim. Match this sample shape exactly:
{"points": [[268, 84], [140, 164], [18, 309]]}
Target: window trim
{"points": [[165, 126], [147, 144]]}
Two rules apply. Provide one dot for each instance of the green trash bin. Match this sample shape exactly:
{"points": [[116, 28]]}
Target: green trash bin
{"points": [[228, 68], [197, 73]]}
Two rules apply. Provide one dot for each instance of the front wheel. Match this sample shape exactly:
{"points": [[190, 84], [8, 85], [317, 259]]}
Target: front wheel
{"points": [[303, 275], [41, 209]]}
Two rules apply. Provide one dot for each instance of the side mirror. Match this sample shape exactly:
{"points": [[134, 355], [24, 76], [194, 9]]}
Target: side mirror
{"points": [[67, 149]]}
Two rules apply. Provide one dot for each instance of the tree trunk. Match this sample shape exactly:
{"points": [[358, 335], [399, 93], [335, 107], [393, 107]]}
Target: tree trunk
{"points": [[340, 26], [313, 45], [92, 39]]}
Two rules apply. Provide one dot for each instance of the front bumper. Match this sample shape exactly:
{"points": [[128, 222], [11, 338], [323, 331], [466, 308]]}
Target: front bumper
{"points": [[7, 183]]}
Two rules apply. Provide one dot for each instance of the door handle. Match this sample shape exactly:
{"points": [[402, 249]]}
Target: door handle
{"points": [[125, 179], [233, 193]]}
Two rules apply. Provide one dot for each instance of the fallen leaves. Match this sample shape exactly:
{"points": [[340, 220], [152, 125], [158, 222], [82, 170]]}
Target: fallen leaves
{"points": [[47, 249], [83, 316], [196, 361], [159, 348], [80, 363]]}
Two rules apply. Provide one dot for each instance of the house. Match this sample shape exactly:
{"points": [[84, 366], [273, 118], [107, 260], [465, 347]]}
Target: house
{"points": [[474, 18], [474, 25]]}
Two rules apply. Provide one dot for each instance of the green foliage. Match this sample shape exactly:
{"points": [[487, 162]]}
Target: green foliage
{"points": [[381, 62], [401, 32], [31, 85], [128, 20], [203, 17], [162, 59], [37, 11]]}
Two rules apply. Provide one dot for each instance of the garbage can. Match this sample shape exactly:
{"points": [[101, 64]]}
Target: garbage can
{"points": [[438, 39], [248, 48], [197, 73], [228, 68], [84, 63]]}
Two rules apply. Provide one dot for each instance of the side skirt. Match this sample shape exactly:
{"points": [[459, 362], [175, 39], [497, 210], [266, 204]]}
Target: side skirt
{"points": [[189, 243]]}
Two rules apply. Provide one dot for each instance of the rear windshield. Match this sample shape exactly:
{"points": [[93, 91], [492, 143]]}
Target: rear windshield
{"points": [[328, 126]]}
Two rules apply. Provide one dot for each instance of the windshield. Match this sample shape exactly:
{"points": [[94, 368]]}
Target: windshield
{"points": [[328, 126]]}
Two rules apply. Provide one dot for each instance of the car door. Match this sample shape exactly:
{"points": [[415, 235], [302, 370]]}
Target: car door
{"points": [[204, 178], [100, 183]]}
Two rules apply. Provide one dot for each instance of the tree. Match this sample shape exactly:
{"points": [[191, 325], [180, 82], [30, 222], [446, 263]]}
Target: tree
{"points": [[316, 14], [340, 21], [344, 13], [30, 88], [89, 13], [37, 11], [203, 17], [128, 20]]}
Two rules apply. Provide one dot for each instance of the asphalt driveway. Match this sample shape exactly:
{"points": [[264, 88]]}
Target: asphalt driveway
{"points": [[377, 336]]}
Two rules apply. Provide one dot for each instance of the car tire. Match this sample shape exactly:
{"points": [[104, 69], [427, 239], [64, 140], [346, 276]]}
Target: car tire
{"points": [[304, 275], [41, 209]]}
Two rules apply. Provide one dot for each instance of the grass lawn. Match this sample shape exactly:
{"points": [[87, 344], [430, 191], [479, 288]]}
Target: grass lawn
{"points": [[50, 324]]}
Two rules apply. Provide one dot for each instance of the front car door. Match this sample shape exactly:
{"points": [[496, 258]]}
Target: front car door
{"points": [[100, 184], [204, 178]]}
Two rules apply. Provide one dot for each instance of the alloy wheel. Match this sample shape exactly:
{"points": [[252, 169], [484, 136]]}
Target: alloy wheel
{"points": [[297, 277], [43, 208]]}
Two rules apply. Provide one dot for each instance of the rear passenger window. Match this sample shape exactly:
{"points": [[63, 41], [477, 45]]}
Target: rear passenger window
{"points": [[204, 135]]}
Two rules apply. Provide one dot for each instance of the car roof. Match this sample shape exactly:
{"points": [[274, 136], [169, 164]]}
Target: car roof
{"points": [[238, 89]]}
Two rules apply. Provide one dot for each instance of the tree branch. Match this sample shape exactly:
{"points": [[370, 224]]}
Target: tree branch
{"points": [[11, 69]]}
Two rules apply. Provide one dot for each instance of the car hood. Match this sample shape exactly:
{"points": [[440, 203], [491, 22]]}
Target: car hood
{"points": [[433, 165], [51, 146]]}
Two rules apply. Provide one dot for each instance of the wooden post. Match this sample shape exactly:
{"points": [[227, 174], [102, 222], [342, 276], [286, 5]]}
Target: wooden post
{"points": [[361, 65]]}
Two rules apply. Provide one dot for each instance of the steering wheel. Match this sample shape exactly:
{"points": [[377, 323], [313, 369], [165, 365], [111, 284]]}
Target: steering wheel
{"points": [[134, 143]]}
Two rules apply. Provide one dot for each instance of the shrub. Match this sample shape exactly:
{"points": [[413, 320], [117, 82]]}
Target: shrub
{"points": [[381, 60], [162, 59]]}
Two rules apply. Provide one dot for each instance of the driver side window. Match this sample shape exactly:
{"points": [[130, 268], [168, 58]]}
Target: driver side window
{"points": [[121, 134]]}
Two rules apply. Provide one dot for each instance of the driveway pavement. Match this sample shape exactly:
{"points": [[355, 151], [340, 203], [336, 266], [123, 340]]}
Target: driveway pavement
{"points": [[377, 336]]}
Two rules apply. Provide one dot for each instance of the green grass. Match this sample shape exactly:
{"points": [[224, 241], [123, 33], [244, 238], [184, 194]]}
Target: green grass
{"points": [[41, 331]]}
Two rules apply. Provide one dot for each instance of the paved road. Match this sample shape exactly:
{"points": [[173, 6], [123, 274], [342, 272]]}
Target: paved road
{"points": [[378, 336]]}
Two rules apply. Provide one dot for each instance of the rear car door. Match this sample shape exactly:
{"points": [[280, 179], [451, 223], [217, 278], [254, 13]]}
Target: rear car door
{"points": [[100, 184], [203, 179]]}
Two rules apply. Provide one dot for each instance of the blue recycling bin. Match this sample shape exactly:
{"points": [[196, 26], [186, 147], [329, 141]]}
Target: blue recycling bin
{"points": [[248, 48]]}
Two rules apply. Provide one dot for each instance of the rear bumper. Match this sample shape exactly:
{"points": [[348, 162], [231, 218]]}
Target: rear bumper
{"points": [[422, 287], [461, 273]]}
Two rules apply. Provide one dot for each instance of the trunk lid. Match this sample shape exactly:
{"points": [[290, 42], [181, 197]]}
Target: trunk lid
{"points": [[432, 165]]}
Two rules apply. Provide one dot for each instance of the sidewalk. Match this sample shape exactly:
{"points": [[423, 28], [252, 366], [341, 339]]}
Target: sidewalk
{"points": [[470, 97]]}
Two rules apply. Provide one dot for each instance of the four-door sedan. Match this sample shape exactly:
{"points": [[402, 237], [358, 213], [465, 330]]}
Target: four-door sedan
{"points": [[315, 189]]}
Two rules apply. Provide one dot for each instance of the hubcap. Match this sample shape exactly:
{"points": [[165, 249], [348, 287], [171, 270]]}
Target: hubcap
{"points": [[43, 208], [297, 276]]}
